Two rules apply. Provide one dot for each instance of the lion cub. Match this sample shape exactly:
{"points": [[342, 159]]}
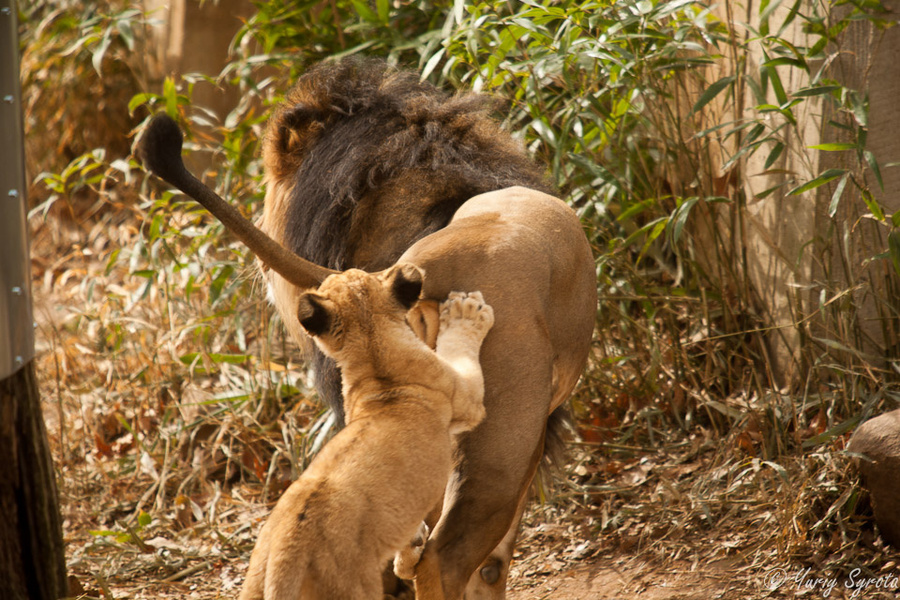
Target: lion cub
{"points": [[365, 495]]}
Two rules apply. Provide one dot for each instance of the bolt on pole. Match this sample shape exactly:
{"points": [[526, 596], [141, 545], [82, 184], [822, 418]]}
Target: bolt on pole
{"points": [[16, 322]]}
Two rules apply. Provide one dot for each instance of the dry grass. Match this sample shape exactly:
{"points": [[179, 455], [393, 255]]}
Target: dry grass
{"points": [[175, 421], [161, 404], [178, 411]]}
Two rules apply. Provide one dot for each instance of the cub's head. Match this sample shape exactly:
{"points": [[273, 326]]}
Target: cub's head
{"points": [[348, 308]]}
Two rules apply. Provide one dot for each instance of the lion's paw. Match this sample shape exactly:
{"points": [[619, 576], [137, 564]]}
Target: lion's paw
{"points": [[468, 310], [406, 559]]}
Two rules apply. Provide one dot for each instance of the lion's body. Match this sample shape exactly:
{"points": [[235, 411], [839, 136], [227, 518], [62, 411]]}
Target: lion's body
{"points": [[365, 166], [527, 252], [362, 161], [363, 497]]}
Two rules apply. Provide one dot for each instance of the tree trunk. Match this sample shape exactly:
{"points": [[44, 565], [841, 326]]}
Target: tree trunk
{"points": [[32, 558]]}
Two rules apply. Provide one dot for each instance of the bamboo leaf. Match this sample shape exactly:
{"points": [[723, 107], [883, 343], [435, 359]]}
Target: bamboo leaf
{"points": [[773, 155], [829, 175], [679, 218], [767, 192], [459, 10], [651, 230], [836, 196], [633, 210], [873, 164], [859, 106], [170, 94], [144, 519], [384, 10], [363, 10], [872, 204], [834, 147], [787, 60], [711, 92], [138, 100], [432, 63], [100, 52], [775, 79], [818, 90], [894, 249]]}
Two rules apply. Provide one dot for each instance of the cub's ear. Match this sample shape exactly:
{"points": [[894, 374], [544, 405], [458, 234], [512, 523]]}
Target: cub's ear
{"points": [[405, 281], [314, 312]]}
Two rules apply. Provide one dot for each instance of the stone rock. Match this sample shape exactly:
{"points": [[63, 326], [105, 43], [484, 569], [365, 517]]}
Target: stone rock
{"points": [[878, 440]]}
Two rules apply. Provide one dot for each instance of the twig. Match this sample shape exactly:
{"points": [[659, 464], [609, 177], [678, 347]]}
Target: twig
{"points": [[204, 566]]}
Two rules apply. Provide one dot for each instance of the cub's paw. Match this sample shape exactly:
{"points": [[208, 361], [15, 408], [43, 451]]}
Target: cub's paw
{"points": [[406, 559], [469, 311]]}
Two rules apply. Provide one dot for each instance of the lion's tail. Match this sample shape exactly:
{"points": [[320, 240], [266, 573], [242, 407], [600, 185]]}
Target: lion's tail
{"points": [[556, 446]]}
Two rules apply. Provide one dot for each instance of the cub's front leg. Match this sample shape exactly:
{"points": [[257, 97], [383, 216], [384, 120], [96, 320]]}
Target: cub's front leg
{"points": [[406, 559], [465, 321]]}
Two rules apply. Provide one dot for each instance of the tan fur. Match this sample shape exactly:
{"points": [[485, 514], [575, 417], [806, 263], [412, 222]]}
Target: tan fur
{"points": [[364, 164], [365, 495], [526, 251]]}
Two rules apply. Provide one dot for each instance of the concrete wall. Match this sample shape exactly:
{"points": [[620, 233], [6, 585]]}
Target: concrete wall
{"points": [[794, 255], [869, 60], [194, 36]]}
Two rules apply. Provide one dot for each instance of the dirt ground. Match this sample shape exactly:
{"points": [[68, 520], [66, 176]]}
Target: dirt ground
{"points": [[551, 566], [556, 561], [154, 507], [601, 579], [635, 579]]}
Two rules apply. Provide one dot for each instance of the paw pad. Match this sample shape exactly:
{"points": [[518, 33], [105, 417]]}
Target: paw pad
{"points": [[469, 308]]}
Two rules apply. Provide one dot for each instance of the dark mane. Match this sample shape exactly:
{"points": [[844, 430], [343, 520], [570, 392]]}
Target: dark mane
{"points": [[365, 160], [356, 134]]}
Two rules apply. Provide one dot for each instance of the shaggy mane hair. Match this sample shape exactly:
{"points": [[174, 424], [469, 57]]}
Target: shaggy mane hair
{"points": [[362, 160], [355, 131]]}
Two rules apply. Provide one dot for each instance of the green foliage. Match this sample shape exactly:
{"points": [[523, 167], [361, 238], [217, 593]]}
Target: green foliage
{"points": [[84, 55], [291, 36], [584, 77], [654, 118], [650, 116]]}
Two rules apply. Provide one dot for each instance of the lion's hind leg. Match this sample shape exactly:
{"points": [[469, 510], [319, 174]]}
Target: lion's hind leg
{"points": [[465, 321], [255, 580]]}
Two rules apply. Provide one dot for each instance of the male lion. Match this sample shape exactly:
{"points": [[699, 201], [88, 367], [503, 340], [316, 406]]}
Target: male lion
{"points": [[367, 166], [364, 496]]}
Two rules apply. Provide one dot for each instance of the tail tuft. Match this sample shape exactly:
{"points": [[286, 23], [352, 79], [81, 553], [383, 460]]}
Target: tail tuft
{"points": [[160, 149], [558, 436]]}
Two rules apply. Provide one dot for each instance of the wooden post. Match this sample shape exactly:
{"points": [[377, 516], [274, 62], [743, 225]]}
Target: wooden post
{"points": [[32, 558]]}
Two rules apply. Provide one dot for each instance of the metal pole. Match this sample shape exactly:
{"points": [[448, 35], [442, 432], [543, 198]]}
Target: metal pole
{"points": [[16, 322]]}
